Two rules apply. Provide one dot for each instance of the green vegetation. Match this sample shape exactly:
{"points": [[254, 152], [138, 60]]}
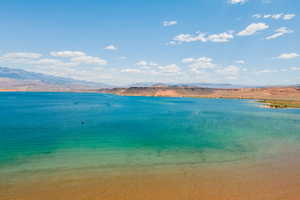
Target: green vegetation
{"points": [[281, 103]]}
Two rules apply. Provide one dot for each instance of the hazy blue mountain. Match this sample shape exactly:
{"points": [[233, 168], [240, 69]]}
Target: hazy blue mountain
{"points": [[205, 85], [21, 76]]}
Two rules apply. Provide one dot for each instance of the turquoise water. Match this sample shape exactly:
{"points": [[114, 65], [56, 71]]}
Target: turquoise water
{"points": [[61, 131]]}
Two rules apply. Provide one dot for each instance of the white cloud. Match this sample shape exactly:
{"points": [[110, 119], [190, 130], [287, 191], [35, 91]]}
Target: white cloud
{"points": [[22, 55], [202, 60], [19, 57], [267, 71], [190, 38], [288, 56], [169, 23], [154, 68], [36, 63], [152, 64], [279, 70], [295, 68], [274, 16], [78, 57], [253, 28], [131, 70], [198, 64], [52, 62], [33, 59], [205, 67], [67, 54], [202, 37], [89, 60], [240, 62], [222, 37], [279, 32], [229, 71], [111, 47], [141, 63], [169, 68], [237, 1], [146, 64], [289, 16], [257, 16]]}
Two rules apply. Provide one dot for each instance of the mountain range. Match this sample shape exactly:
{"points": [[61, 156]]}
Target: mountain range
{"points": [[17, 79]]}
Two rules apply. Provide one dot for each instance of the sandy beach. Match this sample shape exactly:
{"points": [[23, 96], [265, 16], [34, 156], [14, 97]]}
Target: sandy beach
{"points": [[271, 179]]}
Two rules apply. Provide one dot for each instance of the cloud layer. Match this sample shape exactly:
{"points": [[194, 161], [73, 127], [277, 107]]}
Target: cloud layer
{"points": [[253, 28]]}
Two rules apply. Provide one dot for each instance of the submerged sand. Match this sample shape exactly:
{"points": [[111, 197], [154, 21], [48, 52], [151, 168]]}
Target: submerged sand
{"points": [[270, 179]]}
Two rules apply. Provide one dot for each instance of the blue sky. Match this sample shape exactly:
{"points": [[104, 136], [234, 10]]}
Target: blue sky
{"points": [[251, 42]]}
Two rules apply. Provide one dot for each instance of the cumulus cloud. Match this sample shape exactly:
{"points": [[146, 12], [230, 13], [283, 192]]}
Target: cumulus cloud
{"points": [[267, 71], [294, 68], [154, 68], [146, 64], [289, 16], [257, 16], [33, 59], [253, 28], [22, 55], [290, 69], [279, 32], [67, 54], [131, 70], [169, 68], [205, 67], [190, 38], [240, 62], [89, 60], [199, 63], [229, 71], [237, 1], [79, 57], [36, 63], [288, 56], [203, 37], [274, 16], [19, 57], [222, 37], [169, 23], [52, 62], [141, 63], [111, 48]]}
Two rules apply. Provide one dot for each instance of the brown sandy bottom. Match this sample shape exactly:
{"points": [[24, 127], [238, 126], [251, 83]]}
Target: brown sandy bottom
{"points": [[272, 179]]}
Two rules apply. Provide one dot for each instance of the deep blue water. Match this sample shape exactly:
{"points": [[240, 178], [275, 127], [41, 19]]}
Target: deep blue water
{"points": [[44, 131]]}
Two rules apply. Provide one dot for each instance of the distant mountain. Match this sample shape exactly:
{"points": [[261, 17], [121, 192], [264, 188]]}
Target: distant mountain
{"points": [[146, 84], [204, 85], [212, 85], [21, 79]]}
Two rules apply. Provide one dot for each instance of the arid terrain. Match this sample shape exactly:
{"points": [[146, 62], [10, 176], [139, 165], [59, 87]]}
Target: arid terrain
{"points": [[283, 96]]}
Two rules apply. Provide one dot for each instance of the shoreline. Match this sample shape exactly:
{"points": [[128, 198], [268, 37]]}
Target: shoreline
{"points": [[273, 97], [274, 102], [272, 178]]}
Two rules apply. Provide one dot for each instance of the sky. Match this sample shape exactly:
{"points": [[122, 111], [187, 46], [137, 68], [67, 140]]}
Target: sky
{"points": [[120, 42]]}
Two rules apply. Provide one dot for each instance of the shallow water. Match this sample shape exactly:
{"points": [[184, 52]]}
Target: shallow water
{"points": [[42, 132]]}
